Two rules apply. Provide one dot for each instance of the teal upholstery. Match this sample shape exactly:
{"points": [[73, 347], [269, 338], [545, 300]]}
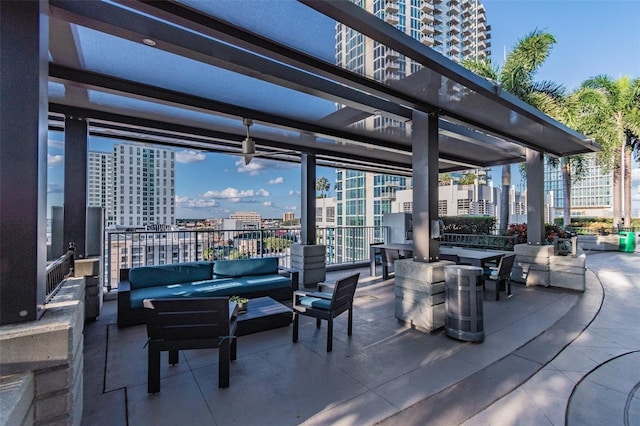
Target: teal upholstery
{"points": [[245, 277], [245, 267], [158, 275], [315, 302], [211, 288]]}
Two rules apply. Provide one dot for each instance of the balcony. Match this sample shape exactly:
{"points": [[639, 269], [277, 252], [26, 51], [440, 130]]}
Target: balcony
{"points": [[427, 40], [392, 19], [427, 19], [426, 7], [391, 8], [427, 29]]}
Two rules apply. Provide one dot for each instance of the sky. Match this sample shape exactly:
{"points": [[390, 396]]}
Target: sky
{"points": [[593, 37]]}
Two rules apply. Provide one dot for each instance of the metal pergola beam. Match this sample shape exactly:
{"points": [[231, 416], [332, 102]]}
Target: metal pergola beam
{"points": [[115, 20], [205, 139], [131, 89]]}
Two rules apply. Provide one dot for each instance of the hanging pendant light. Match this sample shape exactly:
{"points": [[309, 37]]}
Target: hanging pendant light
{"points": [[248, 144]]}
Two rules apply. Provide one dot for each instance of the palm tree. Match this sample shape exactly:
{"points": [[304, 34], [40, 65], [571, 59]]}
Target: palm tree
{"points": [[582, 111], [323, 185], [516, 77], [618, 130]]}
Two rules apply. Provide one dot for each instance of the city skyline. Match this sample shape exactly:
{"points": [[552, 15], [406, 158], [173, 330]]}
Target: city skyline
{"points": [[214, 185]]}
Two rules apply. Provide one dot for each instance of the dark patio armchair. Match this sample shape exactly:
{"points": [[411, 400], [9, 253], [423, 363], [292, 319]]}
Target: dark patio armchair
{"points": [[500, 274], [326, 306], [389, 256], [193, 323]]}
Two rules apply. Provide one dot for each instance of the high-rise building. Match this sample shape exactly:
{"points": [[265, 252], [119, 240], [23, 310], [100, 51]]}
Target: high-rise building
{"points": [[455, 28], [591, 195], [134, 184], [100, 189]]}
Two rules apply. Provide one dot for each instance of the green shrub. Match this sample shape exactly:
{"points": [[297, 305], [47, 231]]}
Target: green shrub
{"points": [[477, 225]]}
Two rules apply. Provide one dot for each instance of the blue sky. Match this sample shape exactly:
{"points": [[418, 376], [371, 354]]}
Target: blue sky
{"points": [[593, 37]]}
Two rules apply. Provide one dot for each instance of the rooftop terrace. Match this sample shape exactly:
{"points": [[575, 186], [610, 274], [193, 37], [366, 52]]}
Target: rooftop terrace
{"points": [[548, 355]]}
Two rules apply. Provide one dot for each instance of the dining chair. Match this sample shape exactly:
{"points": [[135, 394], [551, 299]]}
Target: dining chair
{"points": [[326, 306], [500, 274]]}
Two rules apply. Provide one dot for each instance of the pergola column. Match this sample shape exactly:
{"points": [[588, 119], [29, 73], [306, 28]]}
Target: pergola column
{"points": [[75, 183], [535, 197], [308, 188], [24, 31], [424, 144]]}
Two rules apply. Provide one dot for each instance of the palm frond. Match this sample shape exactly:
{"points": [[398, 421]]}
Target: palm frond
{"points": [[525, 59], [482, 67]]}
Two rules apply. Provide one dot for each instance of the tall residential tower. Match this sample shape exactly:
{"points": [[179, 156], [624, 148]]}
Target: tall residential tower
{"points": [[135, 184], [456, 29]]}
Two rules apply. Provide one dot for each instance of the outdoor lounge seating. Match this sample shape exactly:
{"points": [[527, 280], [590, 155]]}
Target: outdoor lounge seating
{"points": [[197, 323], [500, 274], [327, 306], [249, 278]]}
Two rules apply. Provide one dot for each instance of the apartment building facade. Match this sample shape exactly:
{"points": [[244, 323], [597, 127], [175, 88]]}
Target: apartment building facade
{"points": [[591, 195], [454, 28], [134, 184]]}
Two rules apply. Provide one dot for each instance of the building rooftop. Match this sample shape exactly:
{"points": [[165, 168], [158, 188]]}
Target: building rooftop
{"points": [[550, 356]]}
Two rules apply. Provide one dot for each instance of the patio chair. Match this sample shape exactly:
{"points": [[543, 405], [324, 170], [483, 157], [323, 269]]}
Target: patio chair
{"points": [[326, 306], [190, 323], [389, 256], [500, 275]]}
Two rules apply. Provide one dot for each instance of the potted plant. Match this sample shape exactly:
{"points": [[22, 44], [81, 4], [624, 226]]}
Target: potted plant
{"points": [[242, 302]]}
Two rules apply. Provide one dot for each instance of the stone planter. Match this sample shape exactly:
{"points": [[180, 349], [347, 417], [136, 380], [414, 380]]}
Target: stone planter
{"points": [[541, 265]]}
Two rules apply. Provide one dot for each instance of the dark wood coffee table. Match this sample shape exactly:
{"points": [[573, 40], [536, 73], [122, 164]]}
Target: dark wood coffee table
{"points": [[263, 313]]}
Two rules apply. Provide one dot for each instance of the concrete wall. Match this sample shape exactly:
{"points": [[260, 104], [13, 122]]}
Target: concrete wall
{"points": [[599, 242], [41, 363]]}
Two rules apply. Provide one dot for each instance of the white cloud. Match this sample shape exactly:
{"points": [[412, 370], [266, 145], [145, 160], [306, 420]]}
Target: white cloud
{"points": [[291, 208], [54, 188], [292, 193], [253, 168], [276, 181], [267, 204], [55, 144], [235, 195], [186, 202], [54, 160], [189, 156]]}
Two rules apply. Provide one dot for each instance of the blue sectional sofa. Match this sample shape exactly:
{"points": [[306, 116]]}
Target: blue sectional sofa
{"points": [[243, 277]]}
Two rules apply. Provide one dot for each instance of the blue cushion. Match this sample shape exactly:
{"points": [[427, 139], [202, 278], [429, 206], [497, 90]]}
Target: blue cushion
{"points": [[159, 275], [245, 267], [210, 288], [315, 302]]}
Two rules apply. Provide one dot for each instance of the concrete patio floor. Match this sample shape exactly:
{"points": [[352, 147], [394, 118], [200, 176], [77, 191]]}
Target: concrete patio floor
{"points": [[548, 354]]}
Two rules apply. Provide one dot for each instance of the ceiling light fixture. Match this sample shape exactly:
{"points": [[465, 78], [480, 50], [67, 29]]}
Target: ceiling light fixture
{"points": [[248, 144], [149, 41]]}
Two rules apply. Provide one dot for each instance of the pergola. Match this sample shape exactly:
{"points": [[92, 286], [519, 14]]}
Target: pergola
{"points": [[187, 73]]}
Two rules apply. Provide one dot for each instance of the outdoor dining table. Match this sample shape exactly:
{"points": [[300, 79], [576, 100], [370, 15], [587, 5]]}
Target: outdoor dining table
{"points": [[466, 256], [471, 256]]}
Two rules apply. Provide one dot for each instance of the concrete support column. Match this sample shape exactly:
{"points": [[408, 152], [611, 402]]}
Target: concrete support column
{"points": [[24, 35], [75, 183], [424, 140], [535, 197]]}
